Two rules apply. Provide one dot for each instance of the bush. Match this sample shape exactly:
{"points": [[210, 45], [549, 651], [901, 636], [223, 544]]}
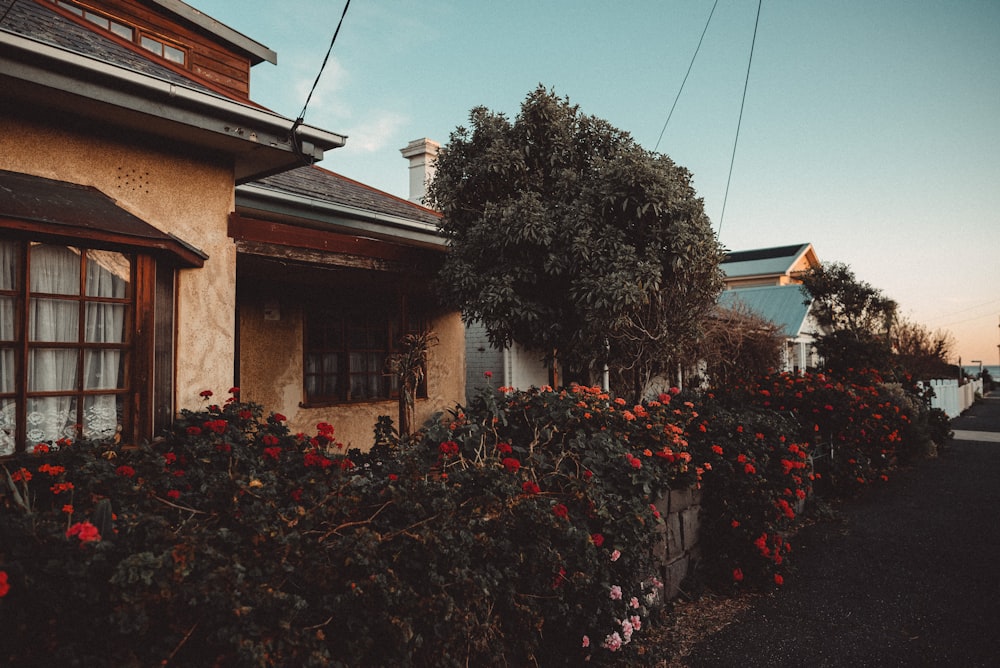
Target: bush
{"points": [[516, 532]]}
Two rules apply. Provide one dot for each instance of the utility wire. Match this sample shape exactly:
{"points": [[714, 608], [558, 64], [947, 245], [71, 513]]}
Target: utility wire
{"points": [[302, 114], [739, 122], [690, 65]]}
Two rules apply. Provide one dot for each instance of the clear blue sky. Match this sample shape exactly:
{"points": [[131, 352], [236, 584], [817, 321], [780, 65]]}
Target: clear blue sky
{"points": [[871, 129]]}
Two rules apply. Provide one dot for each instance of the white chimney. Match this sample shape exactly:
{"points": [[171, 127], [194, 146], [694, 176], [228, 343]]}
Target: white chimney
{"points": [[422, 154]]}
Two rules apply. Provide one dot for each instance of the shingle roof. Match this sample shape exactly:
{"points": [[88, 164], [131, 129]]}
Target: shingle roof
{"points": [[762, 261], [322, 184], [784, 305], [41, 23]]}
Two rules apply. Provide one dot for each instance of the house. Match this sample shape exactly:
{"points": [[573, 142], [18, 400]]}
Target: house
{"points": [[764, 281], [161, 235]]}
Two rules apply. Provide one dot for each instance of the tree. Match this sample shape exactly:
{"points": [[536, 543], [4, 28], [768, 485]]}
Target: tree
{"points": [[920, 353], [857, 317], [569, 238], [738, 345]]}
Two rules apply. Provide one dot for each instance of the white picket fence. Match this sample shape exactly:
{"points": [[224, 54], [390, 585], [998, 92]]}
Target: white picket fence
{"points": [[953, 398]]}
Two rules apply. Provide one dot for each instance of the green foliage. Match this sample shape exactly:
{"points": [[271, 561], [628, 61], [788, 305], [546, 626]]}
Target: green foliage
{"points": [[856, 318], [570, 239], [500, 537]]}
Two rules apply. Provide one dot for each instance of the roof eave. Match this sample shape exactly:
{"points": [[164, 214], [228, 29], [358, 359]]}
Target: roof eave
{"points": [[253, 198], [259, 141], [257, 51]]}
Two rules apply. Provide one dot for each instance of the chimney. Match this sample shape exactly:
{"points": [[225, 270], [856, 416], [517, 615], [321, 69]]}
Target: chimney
{"points": [[422, 154]]}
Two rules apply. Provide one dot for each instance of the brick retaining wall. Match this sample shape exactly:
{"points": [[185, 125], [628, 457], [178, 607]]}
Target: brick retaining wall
{"points": [[677, 549]]}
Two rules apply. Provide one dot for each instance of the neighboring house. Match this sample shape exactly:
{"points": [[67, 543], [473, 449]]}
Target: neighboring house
{"points": [[161, 234], [764, 281], [768, 266]]}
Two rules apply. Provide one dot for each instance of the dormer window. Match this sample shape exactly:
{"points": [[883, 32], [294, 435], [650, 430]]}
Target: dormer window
{"points": [[152, 43]]}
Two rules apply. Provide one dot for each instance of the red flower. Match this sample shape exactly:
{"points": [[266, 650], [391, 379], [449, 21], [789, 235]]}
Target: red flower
{"points": [[717, 449], [193, 430], [279, 417], [173, 494], [561, 511], [449, 448], [296, 495], [504, 448], [206, 393], [737, 575], [169, 458], [234, 390], [4, 586], [273, 452], [393, 476], [531, 487], [125, 471], [85, 531], [510, 464], [778, 580], [597, 539], [488, 374]]}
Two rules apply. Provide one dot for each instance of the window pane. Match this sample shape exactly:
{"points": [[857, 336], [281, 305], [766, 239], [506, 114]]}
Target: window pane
{"points": [[8, 426], [152, 45], [108, 274], [331, 363], [173, 54], [54, 269], [73, 8], [105, 323], [101, 416], [357, 334], [55, 320], [7, 319], [6, 370], [96, 19], [9, 259], [51, 418], [312, 364], [52, 370], [331, 387], [103, 370], [122, 30], [358, 387]]}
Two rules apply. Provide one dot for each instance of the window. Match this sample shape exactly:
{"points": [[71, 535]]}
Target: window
{"points": [[151, 43], [67, 323], [346, 350]]}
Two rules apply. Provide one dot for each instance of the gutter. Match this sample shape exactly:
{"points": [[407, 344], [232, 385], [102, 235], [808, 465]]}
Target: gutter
{"points": [[279, 202], [60, 78]]}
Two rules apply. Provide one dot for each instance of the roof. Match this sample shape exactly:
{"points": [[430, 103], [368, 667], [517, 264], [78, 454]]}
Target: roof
{"points": [[49, 62], [764, 261], [257, 51], [33, 203], [39, 22], [783, 305], [313, 196]]}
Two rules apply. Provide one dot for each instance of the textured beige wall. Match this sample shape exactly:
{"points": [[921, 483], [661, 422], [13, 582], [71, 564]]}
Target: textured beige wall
{"points": [[188, 197], [271, 373]]}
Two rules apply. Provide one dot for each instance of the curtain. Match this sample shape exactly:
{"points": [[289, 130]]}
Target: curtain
{"points": [[55, 270]]}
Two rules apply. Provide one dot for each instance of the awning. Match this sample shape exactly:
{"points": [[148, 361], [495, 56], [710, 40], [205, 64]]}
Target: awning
{"points": [[71, 211]]}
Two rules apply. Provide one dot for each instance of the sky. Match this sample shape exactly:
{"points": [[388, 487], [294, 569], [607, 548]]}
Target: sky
{"points": [[869, 129]]}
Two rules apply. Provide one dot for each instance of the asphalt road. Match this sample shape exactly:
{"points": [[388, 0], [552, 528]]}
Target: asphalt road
{"points": [[908, 575]]}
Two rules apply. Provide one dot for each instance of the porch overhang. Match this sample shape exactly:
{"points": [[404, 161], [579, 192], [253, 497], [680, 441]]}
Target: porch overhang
{"points": [[68, 212]]}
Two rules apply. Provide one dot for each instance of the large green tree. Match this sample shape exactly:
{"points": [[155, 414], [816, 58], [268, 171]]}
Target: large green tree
{"points": [[856, 316], [571, 239]]}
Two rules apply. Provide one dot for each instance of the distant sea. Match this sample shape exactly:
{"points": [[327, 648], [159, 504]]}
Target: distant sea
{"points": [[973, 369]]}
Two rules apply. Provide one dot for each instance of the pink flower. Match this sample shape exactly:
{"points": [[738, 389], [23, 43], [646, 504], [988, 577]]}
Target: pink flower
{"points": [[615, 555], [634, 602], [616, 593], [613, 642], [586, 639], [636, 622]]}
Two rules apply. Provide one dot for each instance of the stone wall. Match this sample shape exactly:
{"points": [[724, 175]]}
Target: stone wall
{"points": [[677, 549]]}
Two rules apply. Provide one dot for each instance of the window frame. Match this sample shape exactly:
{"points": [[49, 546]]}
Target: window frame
{"points": [[398, 314], [149, 281]]}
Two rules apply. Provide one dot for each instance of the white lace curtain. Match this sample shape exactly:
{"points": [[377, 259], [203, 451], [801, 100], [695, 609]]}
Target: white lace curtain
{"points": [[55, 271]]}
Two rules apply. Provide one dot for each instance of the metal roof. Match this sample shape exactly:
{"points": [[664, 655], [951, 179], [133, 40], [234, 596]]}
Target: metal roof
{"points": [[763, 261], [783, 305]]}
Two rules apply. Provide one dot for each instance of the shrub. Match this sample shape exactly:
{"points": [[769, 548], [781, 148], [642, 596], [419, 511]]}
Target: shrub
{"points": [[515, 532]]}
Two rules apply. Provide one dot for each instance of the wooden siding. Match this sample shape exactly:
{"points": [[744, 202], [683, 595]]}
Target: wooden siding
{"points": [[217, 63]]}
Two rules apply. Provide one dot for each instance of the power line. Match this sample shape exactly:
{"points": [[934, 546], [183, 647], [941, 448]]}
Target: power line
{"points": [[690, 65], [739, 122], [302, 114]]}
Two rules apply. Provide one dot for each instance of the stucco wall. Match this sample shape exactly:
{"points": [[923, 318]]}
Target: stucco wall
{"points": [[271, 372], [185, 196]]}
